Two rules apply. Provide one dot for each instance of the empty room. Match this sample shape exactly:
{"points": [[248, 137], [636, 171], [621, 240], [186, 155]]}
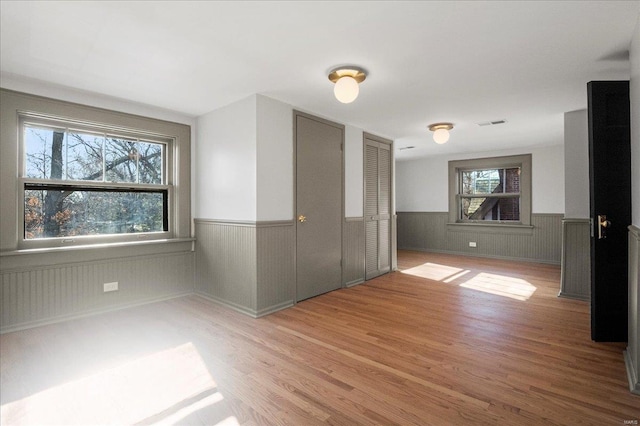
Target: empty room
{"points": [[319, 212]]}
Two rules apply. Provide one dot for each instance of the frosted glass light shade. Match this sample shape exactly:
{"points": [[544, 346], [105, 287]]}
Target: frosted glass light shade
{"points": [[441, 136], [346, 89]]}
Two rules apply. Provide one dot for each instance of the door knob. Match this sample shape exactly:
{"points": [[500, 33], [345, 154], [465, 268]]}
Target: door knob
{"points": [[302, 218], [603, 224]]}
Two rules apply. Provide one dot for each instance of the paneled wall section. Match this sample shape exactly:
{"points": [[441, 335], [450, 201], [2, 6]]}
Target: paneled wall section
{"points": [[275, 267], [632, 354], [575, 281], [226, 263], [248, 266], [353, 261], [429, 231], [44, 294]]}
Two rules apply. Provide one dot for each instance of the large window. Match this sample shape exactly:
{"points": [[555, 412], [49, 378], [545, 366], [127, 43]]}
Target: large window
{"points": [[90, 181], [490, 190], [84, 182]]}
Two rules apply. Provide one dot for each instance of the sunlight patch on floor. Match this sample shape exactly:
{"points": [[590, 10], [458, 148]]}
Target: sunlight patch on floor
{"points": [[433, 271], [456, 276], [501, 285], [170, 384], [207, 403]]}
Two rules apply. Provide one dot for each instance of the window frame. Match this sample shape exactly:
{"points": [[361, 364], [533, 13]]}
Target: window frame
{"points": [[55, 122], [499, 195], [456, 168], [116, 114]]}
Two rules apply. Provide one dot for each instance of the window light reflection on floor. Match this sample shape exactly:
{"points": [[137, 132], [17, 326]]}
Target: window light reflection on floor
{"points": [[432, 271], [183, 415], [166, 386], [501, 285]]}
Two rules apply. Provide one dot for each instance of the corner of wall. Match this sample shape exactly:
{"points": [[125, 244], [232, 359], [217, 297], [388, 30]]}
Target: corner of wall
{"points": [[632, 354], [225, 162], [634, 56], [274, 159]]}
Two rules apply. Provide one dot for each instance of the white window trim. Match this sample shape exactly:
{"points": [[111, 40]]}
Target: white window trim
{"points": [[522, 161]]}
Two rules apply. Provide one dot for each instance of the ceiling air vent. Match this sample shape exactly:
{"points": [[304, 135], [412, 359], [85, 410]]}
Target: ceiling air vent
{"points": [[491, 123]]}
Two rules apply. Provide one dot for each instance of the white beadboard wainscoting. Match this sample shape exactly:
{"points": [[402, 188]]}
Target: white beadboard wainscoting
{"points": [[44, 287]]}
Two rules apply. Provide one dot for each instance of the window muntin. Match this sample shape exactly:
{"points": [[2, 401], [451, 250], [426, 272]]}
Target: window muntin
{"points": [[490, 194], [89, 182]]}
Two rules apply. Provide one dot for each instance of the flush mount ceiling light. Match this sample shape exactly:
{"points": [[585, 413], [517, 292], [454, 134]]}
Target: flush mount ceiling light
{"points": [[440, 132], [347, 79]]}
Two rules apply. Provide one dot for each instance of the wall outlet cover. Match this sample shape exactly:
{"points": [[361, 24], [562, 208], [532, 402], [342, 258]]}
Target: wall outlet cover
{"points": [[111, 286]]}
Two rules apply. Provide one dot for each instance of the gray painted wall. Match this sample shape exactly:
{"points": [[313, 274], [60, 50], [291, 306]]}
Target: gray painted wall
{"points": [[275, 266], [353, 262], [226, 263], [632, 354], [428, 231], [248, 266], [32, 295], [39, 286], [575, 279]]}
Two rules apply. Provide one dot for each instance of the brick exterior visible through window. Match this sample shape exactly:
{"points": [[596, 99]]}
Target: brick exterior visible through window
{"points": [[510, 208], [491, 190]]}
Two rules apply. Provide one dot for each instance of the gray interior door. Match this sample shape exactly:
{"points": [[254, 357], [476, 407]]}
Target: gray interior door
{"points": [[377, 207], [319, 209]]}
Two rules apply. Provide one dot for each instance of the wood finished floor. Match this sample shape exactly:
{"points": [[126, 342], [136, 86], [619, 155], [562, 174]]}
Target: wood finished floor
{"points": [[449, 340]]}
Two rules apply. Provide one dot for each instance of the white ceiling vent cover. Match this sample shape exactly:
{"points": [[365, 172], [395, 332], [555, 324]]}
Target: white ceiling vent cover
{"points": [[491, 123]]}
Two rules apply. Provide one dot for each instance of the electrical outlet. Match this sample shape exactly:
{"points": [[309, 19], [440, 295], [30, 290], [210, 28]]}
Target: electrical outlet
{"points": [[111, 286], [472, 244]]}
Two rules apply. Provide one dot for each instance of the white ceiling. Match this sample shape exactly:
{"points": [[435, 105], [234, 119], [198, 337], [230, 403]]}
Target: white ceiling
{"points": [[464, 62]]}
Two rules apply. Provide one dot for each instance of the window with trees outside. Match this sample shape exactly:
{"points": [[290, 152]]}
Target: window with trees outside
{"points": [[491, 191], [82, 181]]}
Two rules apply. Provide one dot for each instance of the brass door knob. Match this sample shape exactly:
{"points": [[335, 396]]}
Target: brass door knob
{"points": [[302, 218], [603, 224]]}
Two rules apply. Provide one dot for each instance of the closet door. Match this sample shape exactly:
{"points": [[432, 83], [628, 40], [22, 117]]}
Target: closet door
{"points": [[377, 206], [319, 209]]}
